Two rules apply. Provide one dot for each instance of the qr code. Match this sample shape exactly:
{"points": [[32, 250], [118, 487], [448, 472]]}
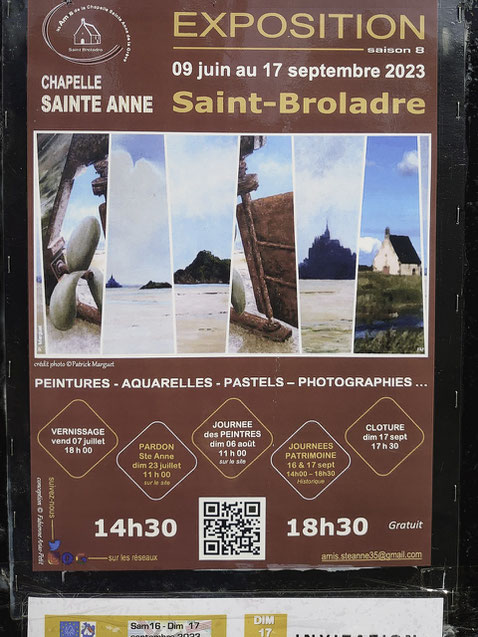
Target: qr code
{"points": [[232, 528]]}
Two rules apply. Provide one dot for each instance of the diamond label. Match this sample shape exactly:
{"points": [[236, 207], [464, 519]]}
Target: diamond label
{"points": [[384, 436], [156, 461], [77, 438], [232, 438], [310, 460]]}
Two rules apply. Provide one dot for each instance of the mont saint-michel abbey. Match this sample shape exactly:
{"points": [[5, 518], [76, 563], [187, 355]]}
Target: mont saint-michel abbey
{"points": [[328, 259]]}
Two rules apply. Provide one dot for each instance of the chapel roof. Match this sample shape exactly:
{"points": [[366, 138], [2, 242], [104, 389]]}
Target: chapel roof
{"points": [[92, 30], [404, 249]]}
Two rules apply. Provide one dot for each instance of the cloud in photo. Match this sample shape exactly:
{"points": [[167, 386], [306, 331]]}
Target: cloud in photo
{"points": [[273, 165], [83, 203], [328, 186], [138, 228], [409, 163], [369, 245], [281, 170], [81, 170], [202, 186], [391, 196], [200, 169]]}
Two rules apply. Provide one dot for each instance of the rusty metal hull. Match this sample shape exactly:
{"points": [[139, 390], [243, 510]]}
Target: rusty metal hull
{"points": [[273, 219], [260, 326]]}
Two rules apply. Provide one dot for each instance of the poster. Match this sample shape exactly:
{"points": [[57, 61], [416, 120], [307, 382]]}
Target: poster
{"points": [[232, 284], [246, 617]]}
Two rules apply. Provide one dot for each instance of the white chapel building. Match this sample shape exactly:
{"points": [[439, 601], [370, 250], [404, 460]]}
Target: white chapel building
{"points": [[397, 255]]}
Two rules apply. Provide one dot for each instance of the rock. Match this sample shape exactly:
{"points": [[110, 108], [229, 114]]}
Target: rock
{"points": [[154, 285], [206, 268], [112, 283]]}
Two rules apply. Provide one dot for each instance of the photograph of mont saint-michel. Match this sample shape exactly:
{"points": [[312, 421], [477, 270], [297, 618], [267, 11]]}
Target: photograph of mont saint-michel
{"points": [[328, 186]]}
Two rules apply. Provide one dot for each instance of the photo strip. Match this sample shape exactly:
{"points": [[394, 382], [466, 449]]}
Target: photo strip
{"points": [[264, 316], [72, 172], [390, 308], [202, 181], [328, 194], [139, 316]]}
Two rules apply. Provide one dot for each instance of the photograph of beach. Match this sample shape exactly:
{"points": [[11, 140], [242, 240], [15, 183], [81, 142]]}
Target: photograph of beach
{"points": [[328, 189], [264, 317], [70, 206], [202, 179], [138, 310]]}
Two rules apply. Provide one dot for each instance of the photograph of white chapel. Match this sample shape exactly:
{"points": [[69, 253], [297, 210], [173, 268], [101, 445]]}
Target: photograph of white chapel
{"points": [[389, 307]]}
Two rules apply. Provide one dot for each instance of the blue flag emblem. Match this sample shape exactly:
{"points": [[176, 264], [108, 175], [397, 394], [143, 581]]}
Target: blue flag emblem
{"points": [[70, 629]]}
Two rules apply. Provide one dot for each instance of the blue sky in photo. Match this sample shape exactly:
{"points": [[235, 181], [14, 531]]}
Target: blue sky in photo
{"points": [[273, 165], [150, 147], [83, 203], [391, 192], [138, 220], [328, 186], [202, 182]]}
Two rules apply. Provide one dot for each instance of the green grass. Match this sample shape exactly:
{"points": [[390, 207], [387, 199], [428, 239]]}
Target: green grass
{"points": [[380, 296], [392, 341]]}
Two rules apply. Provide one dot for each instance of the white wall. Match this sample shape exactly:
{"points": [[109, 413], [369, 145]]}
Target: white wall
{"points": [[408, 268], [386, 256]]}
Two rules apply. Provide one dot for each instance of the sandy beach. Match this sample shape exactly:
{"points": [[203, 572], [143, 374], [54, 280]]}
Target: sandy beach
{"points": [[83, 339], [40, 342], [326, 310], [138, 322], [202, 312], [240, 340]]}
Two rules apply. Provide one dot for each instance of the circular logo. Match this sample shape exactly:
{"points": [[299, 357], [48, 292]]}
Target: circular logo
{"points": [[67, 558], [53, 558], [86, 33]]}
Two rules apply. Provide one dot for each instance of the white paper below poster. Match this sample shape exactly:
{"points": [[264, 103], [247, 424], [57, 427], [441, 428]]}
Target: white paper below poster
{"points": [[236, 617]]}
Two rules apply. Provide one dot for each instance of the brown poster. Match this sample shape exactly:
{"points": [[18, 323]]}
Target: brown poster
{"points": [[232, 268]]}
